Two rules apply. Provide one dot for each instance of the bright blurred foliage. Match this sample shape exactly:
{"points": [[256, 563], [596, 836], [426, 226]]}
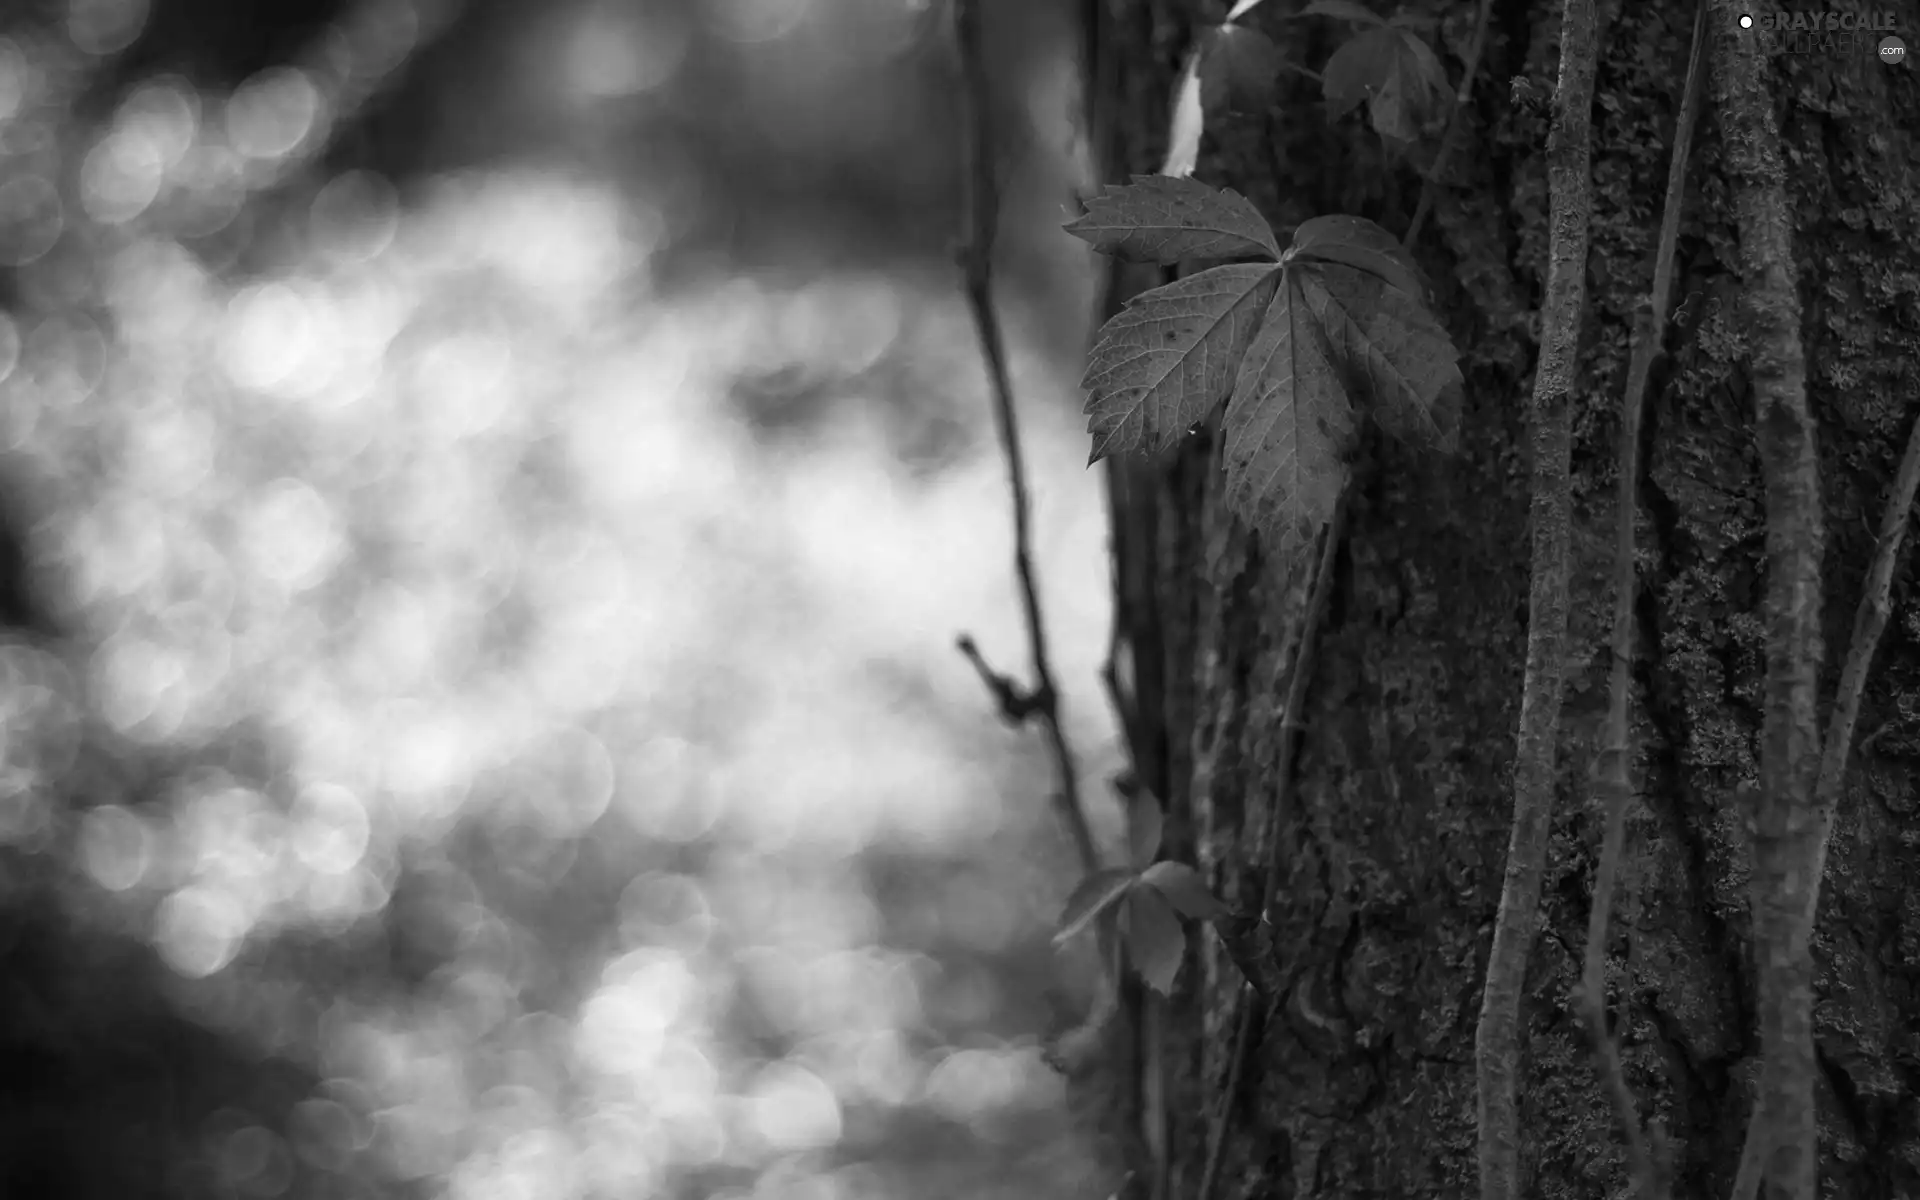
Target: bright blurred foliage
{"points": [[502, 694]]}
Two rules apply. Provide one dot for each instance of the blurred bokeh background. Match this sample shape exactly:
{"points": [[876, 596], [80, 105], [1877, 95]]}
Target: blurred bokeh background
{"points": [[489, 491]]}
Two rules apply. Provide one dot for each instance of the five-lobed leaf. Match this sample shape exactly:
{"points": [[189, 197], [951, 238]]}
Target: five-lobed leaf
{"points": [[1342, 319], [1183, 888], [1164, 362], [1155, 941], [1164, 219], [1289, 426]]}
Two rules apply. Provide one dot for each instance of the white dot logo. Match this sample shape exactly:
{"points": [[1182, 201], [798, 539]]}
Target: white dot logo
{"points": [[1746, 20]]}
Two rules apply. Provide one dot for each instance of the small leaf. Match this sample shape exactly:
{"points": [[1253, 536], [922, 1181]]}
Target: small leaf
{"points": [[1184, 889], [1096, 894], [1358, 242], [1356, 70], [1345, 10], [1187, 121], [1155, 941], [1288, 427], [1144, 824], [1157, 218], [1396, 73], [1424, 64], [1163, 363], [1239, 70], [1394, 355]]}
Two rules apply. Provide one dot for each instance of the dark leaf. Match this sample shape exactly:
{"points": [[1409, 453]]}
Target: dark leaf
{"points": [[1357, 70], [1390, 113], [1396, 73], [1424, 66]]}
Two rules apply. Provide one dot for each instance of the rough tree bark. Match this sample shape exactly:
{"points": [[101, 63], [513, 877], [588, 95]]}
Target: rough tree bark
{"points": [[1395, 836]]}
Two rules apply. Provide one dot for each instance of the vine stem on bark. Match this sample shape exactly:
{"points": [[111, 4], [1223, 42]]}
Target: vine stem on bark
{"points": [[1869, 622], [1497, 1044], [1786, 842], [1647, 1165], [1300, 674]]}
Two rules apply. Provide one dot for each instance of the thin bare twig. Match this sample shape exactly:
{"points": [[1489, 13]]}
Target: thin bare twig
{"points": [[976, 257], [1497, 1042], [1647, 1167], [1263, 984], [1460, 100]]}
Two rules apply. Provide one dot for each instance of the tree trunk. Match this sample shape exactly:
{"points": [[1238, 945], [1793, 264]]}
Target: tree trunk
{"points": [[1393, 843]]}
